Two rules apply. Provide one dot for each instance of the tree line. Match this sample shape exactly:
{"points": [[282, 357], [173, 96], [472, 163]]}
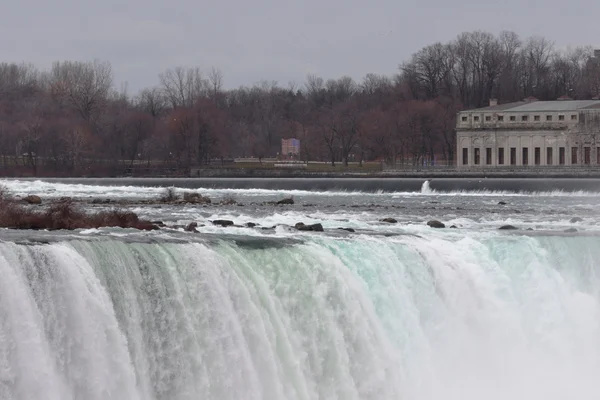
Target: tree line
{"points": [[72, 120]]}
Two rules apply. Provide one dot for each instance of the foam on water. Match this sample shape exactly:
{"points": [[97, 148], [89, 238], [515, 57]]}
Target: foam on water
{"points": [[56, 190]]}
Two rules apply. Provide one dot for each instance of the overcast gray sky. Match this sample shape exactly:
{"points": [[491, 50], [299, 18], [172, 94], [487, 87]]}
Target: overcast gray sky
{"points": [[270, 39]]}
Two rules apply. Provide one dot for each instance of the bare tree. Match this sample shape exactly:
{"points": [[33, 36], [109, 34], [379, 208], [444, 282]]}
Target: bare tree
{"points": [[374, 83], [151, 101], [315, 90], [215, 77], [84, 87], [431, 68], [535, 66], [18, 77], [507, 87], [346, 129], [183, 86], [32, 126]]}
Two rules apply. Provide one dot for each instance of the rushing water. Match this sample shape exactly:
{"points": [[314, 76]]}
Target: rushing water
{"points": [[397, 311]]}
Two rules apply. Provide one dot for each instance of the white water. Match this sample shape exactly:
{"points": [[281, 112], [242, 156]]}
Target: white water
{"points": [[56, 190], [425, 188], [499, 317]]}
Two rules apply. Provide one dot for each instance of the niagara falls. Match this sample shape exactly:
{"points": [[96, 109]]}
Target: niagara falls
{"points": [[377, 305]]}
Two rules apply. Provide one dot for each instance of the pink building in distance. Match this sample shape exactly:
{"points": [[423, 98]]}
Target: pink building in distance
{"points": [[290, 148]]}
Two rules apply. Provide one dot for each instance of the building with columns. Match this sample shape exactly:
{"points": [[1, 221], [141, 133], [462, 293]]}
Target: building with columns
{"points": [[563, 132]]}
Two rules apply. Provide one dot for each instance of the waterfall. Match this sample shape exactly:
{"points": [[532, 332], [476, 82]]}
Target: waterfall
{"points": [[494, 317]]}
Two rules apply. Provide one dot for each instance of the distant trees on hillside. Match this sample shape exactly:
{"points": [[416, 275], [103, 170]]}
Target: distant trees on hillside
{"points": [[72, 119]]}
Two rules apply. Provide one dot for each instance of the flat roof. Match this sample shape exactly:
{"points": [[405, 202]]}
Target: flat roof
{"points": [[541, 106]]}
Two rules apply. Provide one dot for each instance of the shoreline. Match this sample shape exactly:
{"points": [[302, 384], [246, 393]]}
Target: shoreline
{"points": [[578, 172]]}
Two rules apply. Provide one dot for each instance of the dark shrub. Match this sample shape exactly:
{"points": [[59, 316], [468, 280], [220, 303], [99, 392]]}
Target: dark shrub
{"points": [[64, 214]]}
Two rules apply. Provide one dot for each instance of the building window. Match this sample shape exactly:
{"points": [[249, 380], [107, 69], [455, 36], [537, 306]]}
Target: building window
{"points": [[574, 117], [536, 117], [488, 156], [465, 156], [476, 118], [537, 156], [513, 156], [548, 117], [597, 155], [549, 156], [524, 118], [561, 155], [477, 156], [488, 118], [500, 117], [464, 119], [587, 155], [513, 118], [573, 155], [561, 117], [525, 158], [501, 155]]}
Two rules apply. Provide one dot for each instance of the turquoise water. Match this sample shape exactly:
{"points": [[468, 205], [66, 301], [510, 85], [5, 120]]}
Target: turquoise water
{"points": [[434, 316]]}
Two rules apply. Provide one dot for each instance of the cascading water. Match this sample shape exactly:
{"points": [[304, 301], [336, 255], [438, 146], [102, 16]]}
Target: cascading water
{"points": [[499, 317]]}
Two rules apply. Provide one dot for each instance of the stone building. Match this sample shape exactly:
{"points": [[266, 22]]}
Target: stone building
{"points": [[563, 132]]}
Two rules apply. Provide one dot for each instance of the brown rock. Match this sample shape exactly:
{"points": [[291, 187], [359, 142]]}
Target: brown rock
{"points": [[309, 228], [33, 199], [191, 227], [436, 224], [195, 198]]}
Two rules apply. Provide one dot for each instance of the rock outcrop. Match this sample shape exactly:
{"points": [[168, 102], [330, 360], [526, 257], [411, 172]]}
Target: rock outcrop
{"points": [[191, 227], [195, 198], [310, 228], [32, 199], [229, 202], [222, 222], [101, 201], [289, 200], [435, 224]]}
